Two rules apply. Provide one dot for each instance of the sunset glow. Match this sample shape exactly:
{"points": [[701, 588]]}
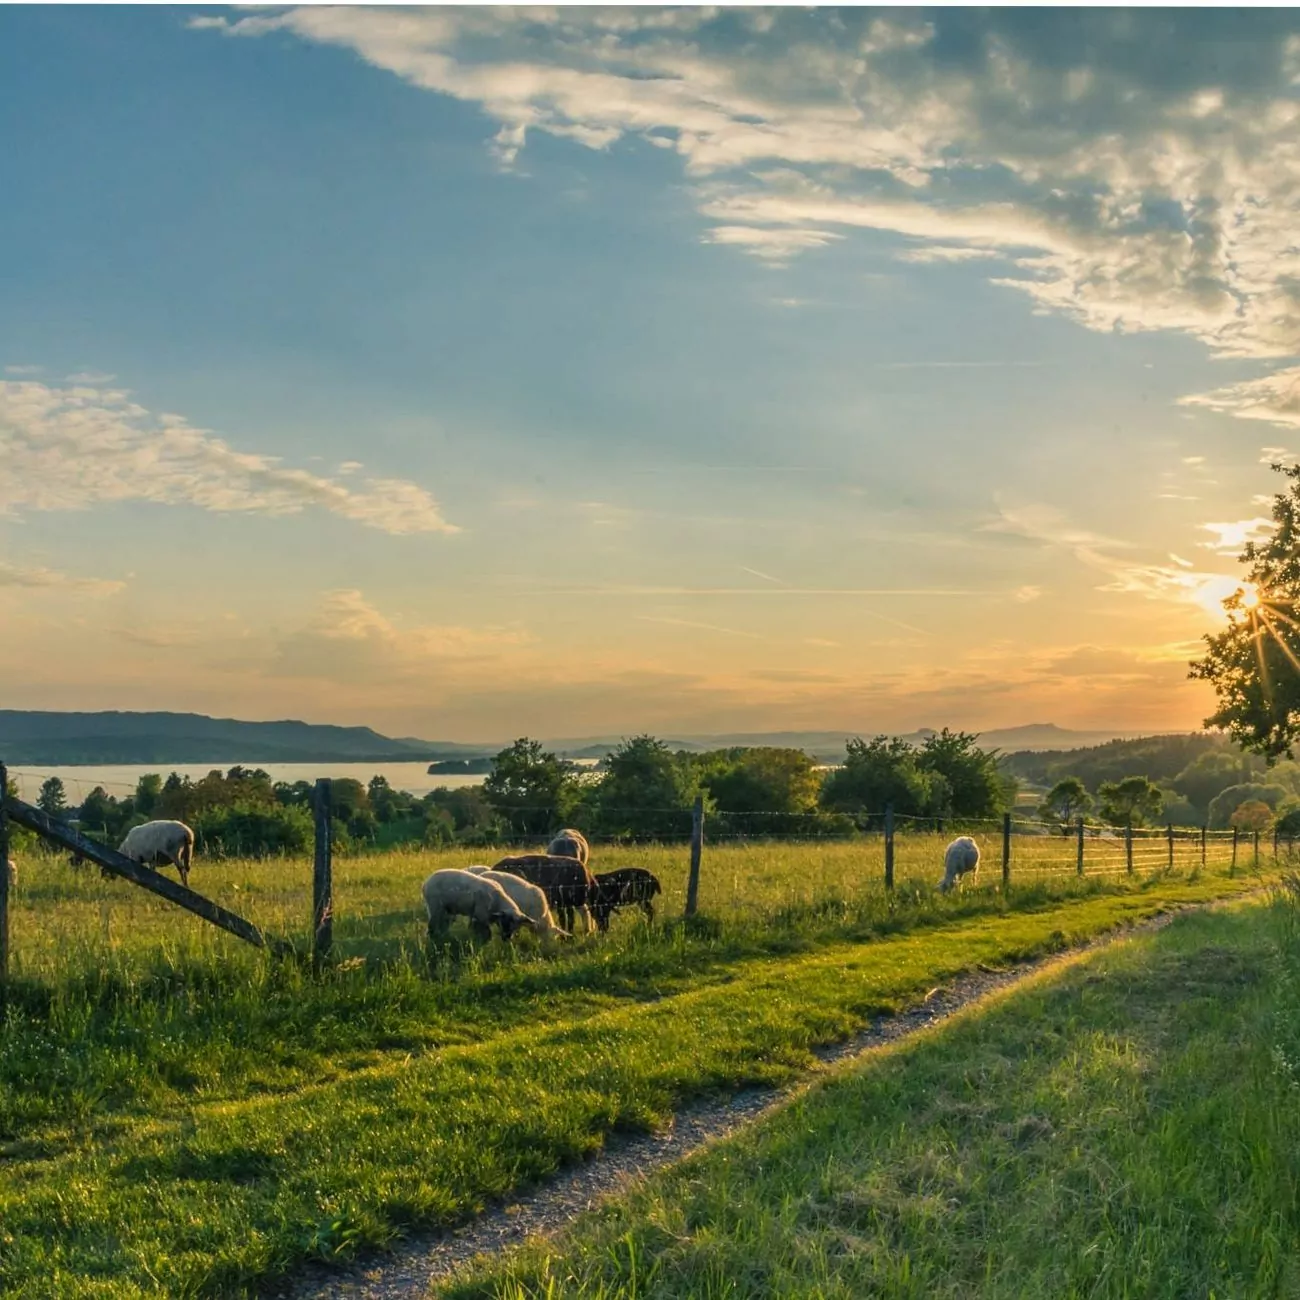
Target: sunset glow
{"points": [[473, 373]]}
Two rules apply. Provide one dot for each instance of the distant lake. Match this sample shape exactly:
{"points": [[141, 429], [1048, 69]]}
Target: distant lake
{"points": [[121, 779]]}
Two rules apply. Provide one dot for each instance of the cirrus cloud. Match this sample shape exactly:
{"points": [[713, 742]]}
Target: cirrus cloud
{"points": [[74, 446], [1132, 169]]}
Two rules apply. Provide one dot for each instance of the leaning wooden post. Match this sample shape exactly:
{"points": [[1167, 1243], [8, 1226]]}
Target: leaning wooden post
{"points": [[1204, 833], [1169, 830], [697, 852], [1006, 850], [322, 884], [4, 882], [889, 846], [1128, 847], [1078, 865]]}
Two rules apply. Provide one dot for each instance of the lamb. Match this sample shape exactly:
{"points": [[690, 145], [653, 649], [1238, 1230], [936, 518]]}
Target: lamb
{"points": [[565, 881], [623, 888], [159, 842], [960, 858], [569, 843], [530, 900], [451, 892]]}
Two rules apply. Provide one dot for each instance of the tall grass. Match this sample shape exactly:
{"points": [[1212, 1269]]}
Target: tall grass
{"points": [[1130, 1128]]}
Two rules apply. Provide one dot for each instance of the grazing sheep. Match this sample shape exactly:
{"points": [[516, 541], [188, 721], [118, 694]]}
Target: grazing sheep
{"points": [[960, 858], [567, 884], [159, 842], [624, 888], [529, 899], [569, 843], [451, 892]]}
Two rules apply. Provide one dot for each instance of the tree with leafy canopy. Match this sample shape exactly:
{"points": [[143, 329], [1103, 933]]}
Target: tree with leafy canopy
{"points": [[877, 772], [645, 790], [1254, 663], [53, 798], [148, 790], [530, 788], [1130, 802], [975, 787], [1066, 802], [1224, 804], [1253, 815]]}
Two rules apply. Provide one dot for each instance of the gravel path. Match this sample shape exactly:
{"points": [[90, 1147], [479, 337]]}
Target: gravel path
{"points": [[408, 1271]]}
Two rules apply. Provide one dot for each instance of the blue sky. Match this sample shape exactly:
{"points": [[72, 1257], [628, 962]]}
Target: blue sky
{"points": [[478, 372]]}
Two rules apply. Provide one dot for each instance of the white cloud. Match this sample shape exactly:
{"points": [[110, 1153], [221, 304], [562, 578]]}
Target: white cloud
{"points": [[1229, 538], [350, 640], [76, 446], [944, 254], [13, 575], [773, 245], [1127, 575], [1133, 176], [1275, 398]]}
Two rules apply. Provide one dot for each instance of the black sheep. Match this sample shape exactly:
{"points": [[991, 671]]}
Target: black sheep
{"points": [[623, 888]]}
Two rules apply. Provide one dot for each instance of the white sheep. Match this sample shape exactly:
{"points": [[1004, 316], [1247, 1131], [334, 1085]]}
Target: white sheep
{"points": [[569, 843], [452, 892], [528, 898], [960, 858], [161, 841]]}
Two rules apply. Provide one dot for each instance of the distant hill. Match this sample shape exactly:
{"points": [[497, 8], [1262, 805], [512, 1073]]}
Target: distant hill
{"points": [[829, 745], [73, 738], [56, 739], [1161, 757]]}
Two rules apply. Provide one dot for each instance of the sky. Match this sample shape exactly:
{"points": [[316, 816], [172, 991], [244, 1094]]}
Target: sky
{"points": [[472, 372]]}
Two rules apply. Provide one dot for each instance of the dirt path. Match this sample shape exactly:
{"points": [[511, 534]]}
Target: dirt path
{"points": [[408, 1272]]}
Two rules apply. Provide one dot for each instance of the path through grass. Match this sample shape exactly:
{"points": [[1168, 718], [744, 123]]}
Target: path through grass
{"points": [[130, 1185], [1128, 1127]]}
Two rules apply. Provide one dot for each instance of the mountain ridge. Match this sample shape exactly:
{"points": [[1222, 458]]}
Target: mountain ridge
{"points": [[71, 738]]}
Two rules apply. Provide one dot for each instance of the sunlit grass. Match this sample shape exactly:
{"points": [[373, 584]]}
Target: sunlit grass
{"points": [[1128, 1128], [180, 1113]]}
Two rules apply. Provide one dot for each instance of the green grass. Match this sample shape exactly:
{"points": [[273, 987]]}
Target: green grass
{"points": [[180, 1114], [1129, 1126]]}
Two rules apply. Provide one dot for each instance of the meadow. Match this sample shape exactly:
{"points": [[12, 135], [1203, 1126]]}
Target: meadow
{"points": [[1125, 1126], [183, 1115]]}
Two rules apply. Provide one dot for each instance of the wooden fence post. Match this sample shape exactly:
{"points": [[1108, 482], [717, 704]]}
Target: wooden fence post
{"points": [[1169, 830], [1128, 847], [322, 883], [1235, 835], [889, 846], [697, 852], [1205, 830], [1079, 847], [1275, 835], [4, 882], [1006, 850], [1256, 848]]}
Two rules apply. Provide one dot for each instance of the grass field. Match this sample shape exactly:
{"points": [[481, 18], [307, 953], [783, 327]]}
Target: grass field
{"points": [[179, 1114], [1126, 1127]]}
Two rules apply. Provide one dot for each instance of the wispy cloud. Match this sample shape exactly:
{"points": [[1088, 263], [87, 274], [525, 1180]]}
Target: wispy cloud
{"points": [[39, 578], [75, 446], [758, 573], [704, 627], [820, 123], [1274, 398], [1230, 538]]}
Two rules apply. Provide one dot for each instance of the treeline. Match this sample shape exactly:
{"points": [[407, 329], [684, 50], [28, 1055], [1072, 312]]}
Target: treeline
{"points": [[645, 790], [642, 791], [1190, 780]]}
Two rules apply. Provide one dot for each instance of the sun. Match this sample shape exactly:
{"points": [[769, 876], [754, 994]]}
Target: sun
{"points": [[1250, 596]]}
